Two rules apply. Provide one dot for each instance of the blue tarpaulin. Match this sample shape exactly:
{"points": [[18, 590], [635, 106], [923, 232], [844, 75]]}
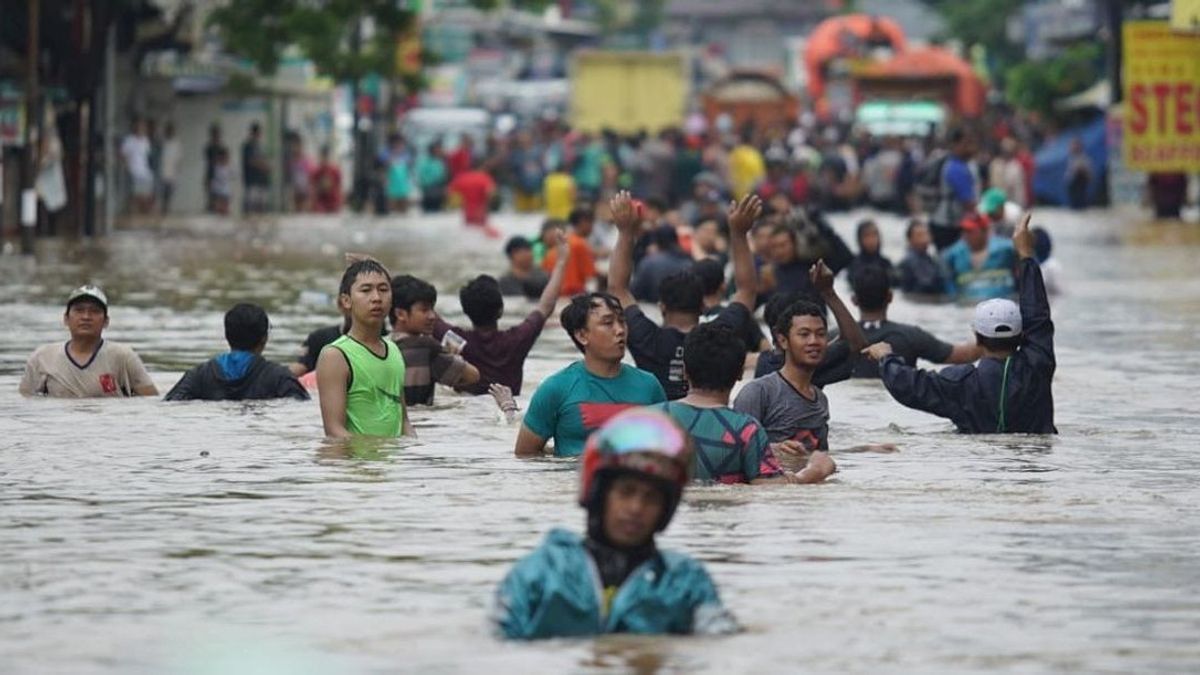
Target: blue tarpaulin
{"points": [[1050, 162]]}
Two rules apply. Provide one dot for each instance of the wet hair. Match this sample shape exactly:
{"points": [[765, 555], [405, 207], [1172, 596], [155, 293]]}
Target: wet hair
{"points": [[711, 274], [579, 215], [864, 226], [682, 292], [781, 301], [481, 300], [713, 357], [871, 286], [246, 327], [913, 224], [357, 269], [574, 316], [408, 290], [783, 323], [1000, 344], [665, 238], [517, 243]]}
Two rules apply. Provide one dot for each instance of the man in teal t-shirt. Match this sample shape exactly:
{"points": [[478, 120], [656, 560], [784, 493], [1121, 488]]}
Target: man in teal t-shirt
{"points": [[577, 400], [981, 266]]}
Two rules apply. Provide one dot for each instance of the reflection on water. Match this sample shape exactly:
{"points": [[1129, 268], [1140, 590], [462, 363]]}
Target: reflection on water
{"points": [[139, 536]]}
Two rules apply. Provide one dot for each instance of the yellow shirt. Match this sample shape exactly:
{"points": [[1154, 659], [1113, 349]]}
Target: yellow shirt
{"points": [[746, 168], [559, 190]]}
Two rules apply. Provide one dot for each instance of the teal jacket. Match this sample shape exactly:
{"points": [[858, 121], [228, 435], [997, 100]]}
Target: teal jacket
{"points": [[555, 592]]}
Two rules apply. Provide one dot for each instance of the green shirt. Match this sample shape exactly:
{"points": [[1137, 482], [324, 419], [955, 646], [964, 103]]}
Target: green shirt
{"points": [[375, 394]]}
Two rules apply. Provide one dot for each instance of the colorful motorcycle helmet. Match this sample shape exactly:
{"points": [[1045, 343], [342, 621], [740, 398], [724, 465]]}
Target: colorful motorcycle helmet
{"points": [[642, 441]]}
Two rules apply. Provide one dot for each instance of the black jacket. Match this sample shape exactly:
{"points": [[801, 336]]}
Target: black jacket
{"points": [[970, 395], [263, 380]]}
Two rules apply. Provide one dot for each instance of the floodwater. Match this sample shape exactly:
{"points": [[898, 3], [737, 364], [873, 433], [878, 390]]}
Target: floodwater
{"points": [[139, 536]]}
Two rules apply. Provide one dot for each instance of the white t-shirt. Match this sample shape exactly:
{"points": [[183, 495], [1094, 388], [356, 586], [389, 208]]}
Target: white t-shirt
{"points": [[113, 370], [172, 155], [136, 151]]}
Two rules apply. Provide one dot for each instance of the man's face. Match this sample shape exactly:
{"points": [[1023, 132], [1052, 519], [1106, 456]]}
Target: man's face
{"points": [[522, 259], [85, 320], [604, 336], [870, 241], [783, 248], [919, 240], [976, 238], [632, 510], [369, 300], [806, 342], [706, 236], [584, 227], [419, 319]]}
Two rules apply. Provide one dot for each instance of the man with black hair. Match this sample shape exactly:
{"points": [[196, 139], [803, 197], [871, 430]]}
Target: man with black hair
{"points": [[920, 273], [731, 447], [666, 260], [659, 349], [256, 172], [712, 282], [87, 365], [426, 360], [523, 276], [500, 354], [958, 189], [581, 270], [572, 403], [790, 405], [1009, 390], [873, 295], [241, 374], [798, 243]]}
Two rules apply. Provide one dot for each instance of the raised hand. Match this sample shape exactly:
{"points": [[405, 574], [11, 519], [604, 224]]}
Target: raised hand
{"points": [[563, 249], [1023, 238], [742, 215], [821, 277], [624, 213]]}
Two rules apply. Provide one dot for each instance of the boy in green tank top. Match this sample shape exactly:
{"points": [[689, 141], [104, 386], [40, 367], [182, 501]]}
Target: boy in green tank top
{"points": [[360, 376]]}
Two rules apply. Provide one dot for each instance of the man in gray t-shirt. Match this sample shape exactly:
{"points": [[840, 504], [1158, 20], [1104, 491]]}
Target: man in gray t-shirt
{"points": [[785, 413]]}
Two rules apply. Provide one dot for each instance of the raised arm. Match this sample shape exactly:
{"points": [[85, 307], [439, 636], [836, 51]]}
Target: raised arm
{"points": [[822, 280], [923, 390], [620, 266], [554, 286], [1038, 329], [333, 375], [742, 216]]}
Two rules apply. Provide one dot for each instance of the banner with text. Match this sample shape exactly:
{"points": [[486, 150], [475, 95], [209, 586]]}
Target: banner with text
{"points": [[1162, 98]]}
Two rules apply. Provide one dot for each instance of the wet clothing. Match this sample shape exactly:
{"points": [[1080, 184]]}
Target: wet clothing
{"points": [[475, 188], [237, 376], [908, 342], [531, 286], [581, 265], [375, 393], [559, 195], [426, 361], [572, 403], [498, 354], [751, 333], [923, 274], [556, 591], [996, 395], [993, 279], [864, 260], [731, 447], [958, 191], [113, 370], [659, 349], [314, 343], [786, 414]]}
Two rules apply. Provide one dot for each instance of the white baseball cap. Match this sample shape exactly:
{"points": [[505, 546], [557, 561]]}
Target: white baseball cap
{"points": [[997, 318]]}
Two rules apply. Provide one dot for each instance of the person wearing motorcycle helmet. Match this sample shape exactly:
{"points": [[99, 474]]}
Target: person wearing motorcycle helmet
{"points": [[614, 579]]}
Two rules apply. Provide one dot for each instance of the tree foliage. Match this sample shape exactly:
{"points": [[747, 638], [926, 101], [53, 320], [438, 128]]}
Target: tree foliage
{"points": [[1037, 85]]}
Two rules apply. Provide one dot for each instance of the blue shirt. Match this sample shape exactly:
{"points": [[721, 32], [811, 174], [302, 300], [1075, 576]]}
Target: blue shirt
{"points": [[961, 180], [572, 403], [994, 279]]}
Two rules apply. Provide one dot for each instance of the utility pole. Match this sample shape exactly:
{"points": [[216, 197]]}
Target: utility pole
{"points": [[32, 140]]}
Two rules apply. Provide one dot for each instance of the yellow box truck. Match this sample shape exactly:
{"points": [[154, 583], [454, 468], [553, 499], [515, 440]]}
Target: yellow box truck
{"points": [[628, 91]]}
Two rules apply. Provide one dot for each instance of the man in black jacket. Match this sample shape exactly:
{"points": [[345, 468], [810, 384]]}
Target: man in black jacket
{"points": [[1008, 391], [241, 374]]}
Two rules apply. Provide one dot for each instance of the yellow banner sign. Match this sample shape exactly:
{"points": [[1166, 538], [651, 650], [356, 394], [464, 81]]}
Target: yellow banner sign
{"points": [[1185, 15], [1162, 98]]}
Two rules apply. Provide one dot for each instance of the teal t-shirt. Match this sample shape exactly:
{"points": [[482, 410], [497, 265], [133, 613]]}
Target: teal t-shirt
{"points": [[731, 447], [572, 403], [993, 280]]}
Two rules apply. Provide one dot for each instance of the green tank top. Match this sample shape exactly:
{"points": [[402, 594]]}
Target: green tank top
{"points": [[375, 397]]}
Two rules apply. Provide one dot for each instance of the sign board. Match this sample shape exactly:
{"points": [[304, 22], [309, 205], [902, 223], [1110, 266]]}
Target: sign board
{"points": [[1162, 98], [1185, 15]]}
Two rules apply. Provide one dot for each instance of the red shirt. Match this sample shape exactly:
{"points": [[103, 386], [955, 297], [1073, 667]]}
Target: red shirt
{"points": [[458, 162], [327, 183], [475, 188]]}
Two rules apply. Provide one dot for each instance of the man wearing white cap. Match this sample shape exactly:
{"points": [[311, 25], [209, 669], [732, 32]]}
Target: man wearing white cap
{"points": [[86, 366], [1008, 390]]}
